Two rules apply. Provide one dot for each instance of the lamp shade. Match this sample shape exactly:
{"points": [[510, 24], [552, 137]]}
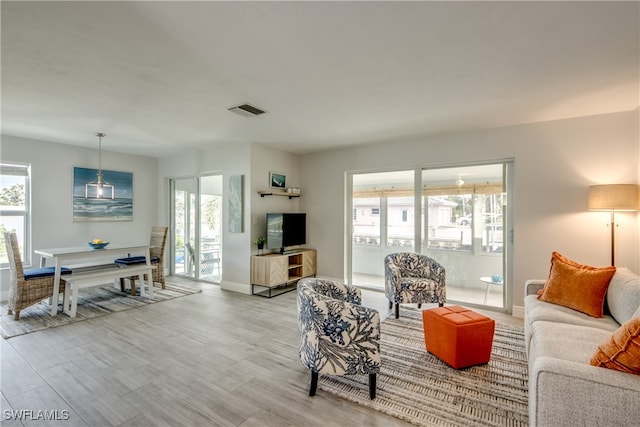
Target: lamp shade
{"points": [[618, 197]]}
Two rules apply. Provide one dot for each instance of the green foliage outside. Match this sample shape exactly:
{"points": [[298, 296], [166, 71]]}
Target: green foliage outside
{"points": [[9, 196], [12, 196]]}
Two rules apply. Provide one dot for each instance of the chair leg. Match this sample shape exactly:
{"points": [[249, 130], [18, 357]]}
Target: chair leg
{"points": [[390, 305], [122, 284], [397, 310], [314, 383], [372, 386], [419, 305], [441, 304], [133, 286], [16, 315]]}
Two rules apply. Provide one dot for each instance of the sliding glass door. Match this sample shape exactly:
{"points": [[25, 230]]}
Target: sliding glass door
{"points": [[465, 219], [382, 222], [196, 210], [457, 216]]}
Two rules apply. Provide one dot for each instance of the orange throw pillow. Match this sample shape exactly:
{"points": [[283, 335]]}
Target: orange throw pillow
{"points": [[622, 350], [577, 286]]}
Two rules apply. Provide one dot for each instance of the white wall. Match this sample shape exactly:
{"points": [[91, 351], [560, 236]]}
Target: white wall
{"points": [[229, 160], [263, 161], [555, 162], [51, 194]]}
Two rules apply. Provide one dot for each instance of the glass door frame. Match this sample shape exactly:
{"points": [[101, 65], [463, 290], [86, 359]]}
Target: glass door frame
{"points": [[508, 232], [196, 237]]}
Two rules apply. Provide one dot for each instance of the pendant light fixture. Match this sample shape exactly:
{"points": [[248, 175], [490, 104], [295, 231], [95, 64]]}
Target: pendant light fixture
{"points": [[96, 189]]}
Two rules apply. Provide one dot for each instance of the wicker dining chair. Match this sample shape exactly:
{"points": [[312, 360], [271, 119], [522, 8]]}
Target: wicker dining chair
{"points": [[27, 287], [156, 252]]}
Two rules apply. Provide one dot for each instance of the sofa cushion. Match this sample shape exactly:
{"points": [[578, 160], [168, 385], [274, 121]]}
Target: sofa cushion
{"points": [[621, 351], [623, 296], [577, 286], [536, 310], [564, 341], [133, 260]]}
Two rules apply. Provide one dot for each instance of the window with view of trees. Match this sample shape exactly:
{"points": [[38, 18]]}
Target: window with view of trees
{"points": [[14, 207]]}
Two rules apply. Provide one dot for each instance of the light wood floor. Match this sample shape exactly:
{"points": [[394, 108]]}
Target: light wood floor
{"points": [[216, 358]]}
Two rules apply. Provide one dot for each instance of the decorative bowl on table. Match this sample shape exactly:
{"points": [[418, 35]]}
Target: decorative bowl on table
{"points": [[100, 245]]}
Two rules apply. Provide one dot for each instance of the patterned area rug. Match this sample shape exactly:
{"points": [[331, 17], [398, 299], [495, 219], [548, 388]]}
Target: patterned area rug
{"points": [[419, 388], [92, 302]]}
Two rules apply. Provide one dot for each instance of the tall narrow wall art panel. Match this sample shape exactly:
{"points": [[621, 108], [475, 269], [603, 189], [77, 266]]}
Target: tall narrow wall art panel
{"points": [[236, 203]]}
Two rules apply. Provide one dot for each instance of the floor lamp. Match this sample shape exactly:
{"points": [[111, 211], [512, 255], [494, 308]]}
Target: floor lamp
{"points": [[614, 197]]}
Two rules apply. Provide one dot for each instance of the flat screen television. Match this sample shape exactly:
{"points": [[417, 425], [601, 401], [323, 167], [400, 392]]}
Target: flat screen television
{"points": [[285, 230]]}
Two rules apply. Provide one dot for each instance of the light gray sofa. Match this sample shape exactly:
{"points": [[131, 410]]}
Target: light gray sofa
{"points": [[564, 389]]}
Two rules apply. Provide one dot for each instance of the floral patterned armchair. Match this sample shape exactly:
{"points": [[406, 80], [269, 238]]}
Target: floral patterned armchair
{"points": [[338, 336], [413, 278]]}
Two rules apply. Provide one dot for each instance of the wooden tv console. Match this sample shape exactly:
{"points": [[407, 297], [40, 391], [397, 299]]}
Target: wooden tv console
{"points": [[274, 274]]}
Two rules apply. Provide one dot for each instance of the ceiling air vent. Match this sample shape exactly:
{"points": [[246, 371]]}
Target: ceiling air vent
{"points": [[247, 110]]}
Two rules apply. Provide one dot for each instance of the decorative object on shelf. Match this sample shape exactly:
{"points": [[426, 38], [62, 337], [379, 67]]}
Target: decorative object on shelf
{"points": [[236, 203], [260, 241], [614, 197], [100, 195], [277, 180]]}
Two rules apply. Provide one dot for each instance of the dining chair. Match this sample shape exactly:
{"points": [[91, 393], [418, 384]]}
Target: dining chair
{"points": [[157, 244], [209, 260], [27, 287]]}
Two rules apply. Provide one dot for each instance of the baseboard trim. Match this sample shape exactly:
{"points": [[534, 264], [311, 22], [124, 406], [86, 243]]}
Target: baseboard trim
{"points": [[518, 311], [236, 287]]}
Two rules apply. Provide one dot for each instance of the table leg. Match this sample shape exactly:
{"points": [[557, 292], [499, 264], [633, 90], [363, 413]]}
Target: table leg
{"points": [[486, 294], [56, 288], [150, 283], [149, 275], [74, 303], [66, 304]]}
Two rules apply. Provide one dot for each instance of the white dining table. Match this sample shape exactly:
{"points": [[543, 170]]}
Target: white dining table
{"points": [[87, 255]]}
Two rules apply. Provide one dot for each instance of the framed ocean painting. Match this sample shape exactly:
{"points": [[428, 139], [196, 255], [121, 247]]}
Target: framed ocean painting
{"points": [[277, 180], [106, 199]]}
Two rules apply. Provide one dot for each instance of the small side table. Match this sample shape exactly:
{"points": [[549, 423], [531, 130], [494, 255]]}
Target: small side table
{"points": [[488, 281]]}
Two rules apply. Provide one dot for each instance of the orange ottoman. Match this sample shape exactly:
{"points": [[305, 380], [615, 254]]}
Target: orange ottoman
{"points": [[458, 336]]}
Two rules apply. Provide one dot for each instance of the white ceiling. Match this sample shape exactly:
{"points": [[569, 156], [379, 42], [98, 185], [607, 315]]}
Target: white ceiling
{"points": [[158, 77]]}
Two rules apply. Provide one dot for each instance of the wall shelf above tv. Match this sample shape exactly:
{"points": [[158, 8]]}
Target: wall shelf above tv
{"points": [[277, 193]]}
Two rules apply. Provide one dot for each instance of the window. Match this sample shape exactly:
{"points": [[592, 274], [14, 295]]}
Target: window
{"points": [[463, 208], [456, 215], [14, 208], [385, 202], [366, 226]]}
